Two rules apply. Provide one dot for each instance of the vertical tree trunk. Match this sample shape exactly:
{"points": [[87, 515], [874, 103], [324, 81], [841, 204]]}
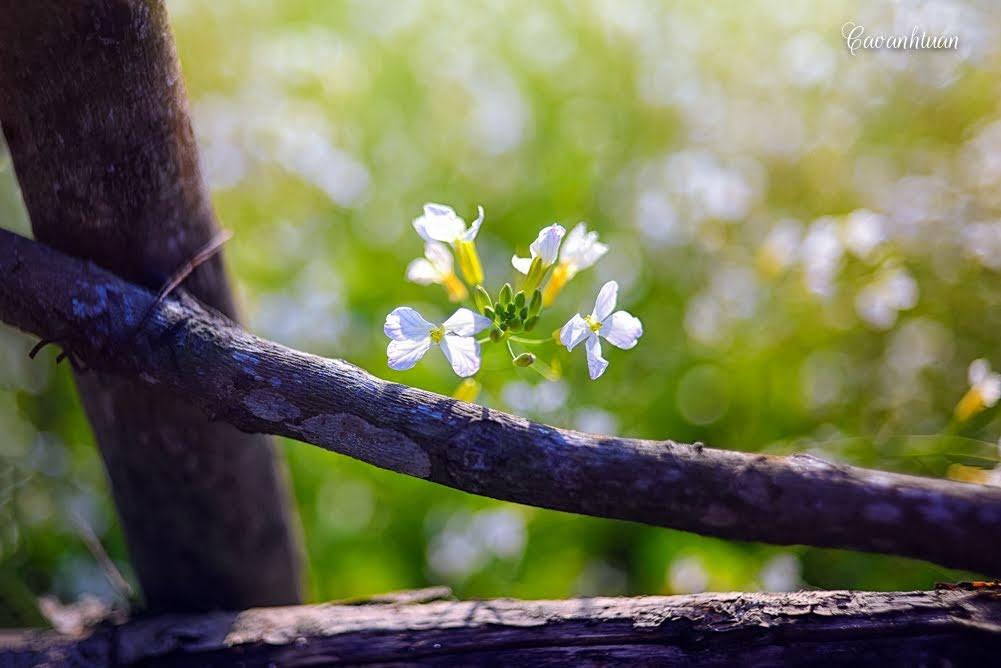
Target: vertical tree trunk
{"points": [[95, 115]]}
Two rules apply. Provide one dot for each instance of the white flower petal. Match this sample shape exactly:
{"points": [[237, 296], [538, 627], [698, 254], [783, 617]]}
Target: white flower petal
{"points": [[463, 353], [439, 223], [978, 371], [990, 389], [622, 329], [439, 256], [433, 210], [547, 244], [575, 331], [593, 253], [422, 272], [406, 324], [522, 264], [575, 240], [465, 322], [581, 249], [596, 364], [404, 354], [605, 303], [474, 229]]}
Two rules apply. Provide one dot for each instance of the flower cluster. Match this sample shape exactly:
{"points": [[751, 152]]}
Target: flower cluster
{"points": [[555, 257]]}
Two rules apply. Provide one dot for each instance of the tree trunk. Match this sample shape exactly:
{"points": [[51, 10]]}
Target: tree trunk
{"points": [[936, 628], [95, 115]]}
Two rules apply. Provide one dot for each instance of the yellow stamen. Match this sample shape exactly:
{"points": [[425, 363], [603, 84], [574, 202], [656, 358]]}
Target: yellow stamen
{"points": [[971, 404], [455, 288], [469, 262], [437, 334], [592, 323], [561, 274], [467, 390]]}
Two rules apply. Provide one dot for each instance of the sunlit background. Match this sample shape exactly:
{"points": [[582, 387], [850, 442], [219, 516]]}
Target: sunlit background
{"points": [[812, 239]]}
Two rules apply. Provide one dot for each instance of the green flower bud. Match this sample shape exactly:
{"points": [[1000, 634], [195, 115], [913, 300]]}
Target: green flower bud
{"points": [[504, 297], [535, 273], [482, 300], [536, 304], [523, 313], [519, 299], [489, 312], [516, 325], [524, 359], [530, 323], [495, 334]]}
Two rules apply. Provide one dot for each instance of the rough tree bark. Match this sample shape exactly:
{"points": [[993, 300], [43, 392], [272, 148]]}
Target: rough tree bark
{"points": [[95, 115], [828, 628], [260, 386]]}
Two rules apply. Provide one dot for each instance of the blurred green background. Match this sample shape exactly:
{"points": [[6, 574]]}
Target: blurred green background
{"points": [[811, 238]]}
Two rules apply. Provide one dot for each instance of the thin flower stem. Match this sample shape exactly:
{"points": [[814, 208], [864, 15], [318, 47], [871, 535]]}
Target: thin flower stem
{"points": [[483, 340], [544, 371], [528, 342], [510, 349]]}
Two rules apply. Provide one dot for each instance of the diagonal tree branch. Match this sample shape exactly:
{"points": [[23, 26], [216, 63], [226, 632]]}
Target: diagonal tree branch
{"points": [[260, 386], [829, 628]]}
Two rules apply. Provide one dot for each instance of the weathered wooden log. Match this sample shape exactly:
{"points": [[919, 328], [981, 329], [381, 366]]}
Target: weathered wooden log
{"points": [[935, 628], [260, 386], [94, 112]]}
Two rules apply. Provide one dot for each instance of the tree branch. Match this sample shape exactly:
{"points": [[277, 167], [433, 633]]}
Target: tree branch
{"points": [[260, 386], [832, 628]]}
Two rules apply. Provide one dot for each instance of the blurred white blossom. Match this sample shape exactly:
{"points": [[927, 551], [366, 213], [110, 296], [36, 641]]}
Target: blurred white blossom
{"points": [[863, 232], [781, 573], [879, 302], [687, 575]]}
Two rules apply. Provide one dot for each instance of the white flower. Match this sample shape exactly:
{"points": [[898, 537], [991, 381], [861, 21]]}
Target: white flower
{"points": [[879, 302], [621, 329], [439, 223], [581, 249], [983, 381], [545, 246], [433, 267], [863, 232], [436, 267], [412, 336]]}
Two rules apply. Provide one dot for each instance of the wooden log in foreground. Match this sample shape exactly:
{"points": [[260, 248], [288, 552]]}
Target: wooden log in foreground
{"points": [[260, 386], [949, 627]]}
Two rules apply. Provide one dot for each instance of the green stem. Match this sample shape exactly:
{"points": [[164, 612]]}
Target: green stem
{"points": [[510, 349], [528, 342], [544, 371]]}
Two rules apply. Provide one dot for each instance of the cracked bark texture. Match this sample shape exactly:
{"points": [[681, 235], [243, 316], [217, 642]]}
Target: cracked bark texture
{"points": [[953, 628], [94, 112], [262, 387]]}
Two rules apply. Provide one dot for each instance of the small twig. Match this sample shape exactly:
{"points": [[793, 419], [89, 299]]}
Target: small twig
{"points": [[93, 544], [37, 348], [67, 353], [201, 257]]}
